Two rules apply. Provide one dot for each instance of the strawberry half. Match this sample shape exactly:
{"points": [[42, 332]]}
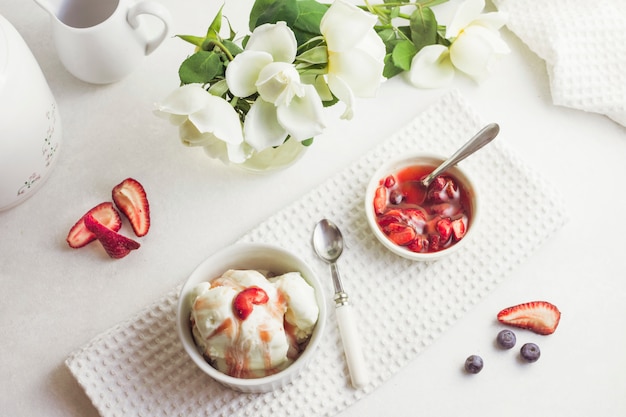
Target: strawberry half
{"points": [[380, 200], [116, 245], [104, 214], [130, 197], [540, 317], [245, 300]]}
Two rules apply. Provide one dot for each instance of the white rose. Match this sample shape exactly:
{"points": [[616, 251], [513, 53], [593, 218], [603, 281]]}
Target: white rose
{"points": [[476, 42], [205, 120], [431, 67], [285, 106], [355, 53]]}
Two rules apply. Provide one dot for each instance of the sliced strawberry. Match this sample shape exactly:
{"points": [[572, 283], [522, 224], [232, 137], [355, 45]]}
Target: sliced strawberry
{"points": [[105, 214], [540, 317], [390, 181], [380, 200], [419, 244], [443, 189], [116, 245], [244, 301], [444, 228], [390, 216], [400, 233], [130, 197], [434, 243], [459, 228]]}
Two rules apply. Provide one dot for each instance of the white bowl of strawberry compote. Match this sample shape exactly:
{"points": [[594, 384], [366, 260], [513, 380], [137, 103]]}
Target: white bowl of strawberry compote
{"points": [[417, 223], [251, 316]]}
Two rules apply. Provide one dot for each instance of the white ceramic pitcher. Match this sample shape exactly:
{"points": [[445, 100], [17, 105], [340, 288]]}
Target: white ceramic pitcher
{"points": [[102, 41], [30, 126]]}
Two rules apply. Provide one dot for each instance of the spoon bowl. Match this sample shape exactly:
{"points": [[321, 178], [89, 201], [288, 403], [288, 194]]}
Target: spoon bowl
{"points": [[327, 241]]}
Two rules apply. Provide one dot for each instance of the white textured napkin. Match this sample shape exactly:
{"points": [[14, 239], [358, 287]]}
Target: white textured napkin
{"points": [[584, 45], [139, 368]]}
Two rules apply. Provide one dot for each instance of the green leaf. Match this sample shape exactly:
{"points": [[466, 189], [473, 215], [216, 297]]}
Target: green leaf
{"points": [[389, 38], [317, 55], [402, 54], [307, 142], [232, 47], [201, 67], [216, 25], [423, 26], [394, 12], [390, 70], [194, 40], [219, 88], [302, 16]]}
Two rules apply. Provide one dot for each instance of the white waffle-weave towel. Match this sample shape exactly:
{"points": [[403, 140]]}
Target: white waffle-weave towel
{"points": [[139, 368], [584, 46]]}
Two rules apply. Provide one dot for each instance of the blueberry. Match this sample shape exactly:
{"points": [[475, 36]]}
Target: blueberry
{"points": [[530, 352], [474, 364], [506, 339], [396, 197]]}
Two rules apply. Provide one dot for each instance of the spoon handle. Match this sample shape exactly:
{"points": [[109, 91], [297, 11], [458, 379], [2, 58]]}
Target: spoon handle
{"points": [[480, 139], [351, 341]]}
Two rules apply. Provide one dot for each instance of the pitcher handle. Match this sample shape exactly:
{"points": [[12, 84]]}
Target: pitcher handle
{"points": [[154, 9]]}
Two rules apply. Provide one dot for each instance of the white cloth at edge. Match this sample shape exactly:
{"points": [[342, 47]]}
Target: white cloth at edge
{"points": [[584, 46]]}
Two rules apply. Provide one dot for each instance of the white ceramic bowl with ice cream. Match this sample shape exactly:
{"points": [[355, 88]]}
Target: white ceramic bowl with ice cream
{"points": [[251, 316]]}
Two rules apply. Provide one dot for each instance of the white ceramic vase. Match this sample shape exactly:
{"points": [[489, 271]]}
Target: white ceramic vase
{"points": [[274, 159], [30, 126]]}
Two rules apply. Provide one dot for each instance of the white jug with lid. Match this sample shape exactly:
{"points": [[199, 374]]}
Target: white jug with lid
{"points": [[30, 126]]}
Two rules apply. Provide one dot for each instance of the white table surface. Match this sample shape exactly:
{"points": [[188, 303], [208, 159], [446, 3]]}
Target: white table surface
{"points": [[55, 299]]}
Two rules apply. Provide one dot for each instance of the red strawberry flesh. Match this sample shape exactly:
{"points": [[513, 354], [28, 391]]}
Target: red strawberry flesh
{"points": [[130, 197], [116, 245], [540, 317], [104, 214], [246, 299], [380, 200]]}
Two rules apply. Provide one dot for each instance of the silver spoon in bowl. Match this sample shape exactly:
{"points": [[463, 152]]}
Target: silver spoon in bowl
{"points": [[328, 244], [480, 139]]}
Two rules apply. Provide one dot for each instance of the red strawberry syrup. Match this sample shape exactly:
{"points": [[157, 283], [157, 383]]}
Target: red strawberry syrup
{"points": [[422, 220]]}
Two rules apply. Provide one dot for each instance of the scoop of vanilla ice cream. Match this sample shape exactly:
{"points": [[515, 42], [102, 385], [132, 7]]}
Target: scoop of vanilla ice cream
{"points": [[302, 309], [241, 348]]}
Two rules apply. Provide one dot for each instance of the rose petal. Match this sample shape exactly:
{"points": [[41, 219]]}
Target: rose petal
{"points": [[261, 128], [493, 20], [217, 149], [243, 71], [227, 152], [344, 25], [475, 51], [360, 67], [303, 118], [220, 119], [468, 11], [277, 39], [190, 135], [184, 100], [278, 83], [431, 67], [344, 93], [238, 153]]}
